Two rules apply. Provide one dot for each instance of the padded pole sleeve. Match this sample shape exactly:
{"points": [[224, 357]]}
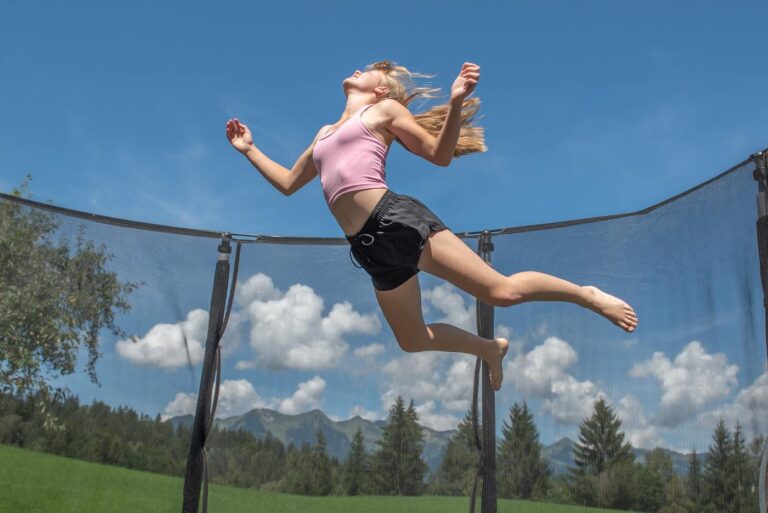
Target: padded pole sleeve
{"points": [[489, 397], [203, 411]]}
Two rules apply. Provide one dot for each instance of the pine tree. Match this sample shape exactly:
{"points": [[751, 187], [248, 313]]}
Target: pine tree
{"points": [[755, 453], [356, 466], [601, 443], [320, 468], [744, 490], [415, 466], [308, 470], [694, 484], [659, 464], [396, 466], [458, 467], [522, 471], [718, 475]]}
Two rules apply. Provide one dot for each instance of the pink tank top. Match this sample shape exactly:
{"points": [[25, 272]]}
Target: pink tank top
{"points": [[350, 158]]}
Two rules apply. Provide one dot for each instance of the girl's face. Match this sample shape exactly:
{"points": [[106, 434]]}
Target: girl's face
{"points": [[365, 81]]}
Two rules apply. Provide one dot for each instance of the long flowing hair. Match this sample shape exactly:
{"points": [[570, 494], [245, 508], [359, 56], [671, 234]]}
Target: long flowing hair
{"points": [[404, 89]]}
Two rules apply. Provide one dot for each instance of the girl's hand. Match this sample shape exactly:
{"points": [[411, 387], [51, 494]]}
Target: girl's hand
{"points": [[466, 81], [239, 136]]}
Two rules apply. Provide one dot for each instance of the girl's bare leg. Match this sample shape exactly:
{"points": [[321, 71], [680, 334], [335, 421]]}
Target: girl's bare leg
{"points": [[402, 310], [448, 257]]}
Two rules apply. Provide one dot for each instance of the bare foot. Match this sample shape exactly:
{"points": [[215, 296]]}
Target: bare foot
{"points": [[612, 308], [494, 362]]}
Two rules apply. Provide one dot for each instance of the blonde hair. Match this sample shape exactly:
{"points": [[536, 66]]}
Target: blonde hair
{"points": [[404, 89]]}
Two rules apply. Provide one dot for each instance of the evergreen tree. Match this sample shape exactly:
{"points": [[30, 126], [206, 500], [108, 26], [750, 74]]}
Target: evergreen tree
{"points": [[298, 479], [719, 484], [600, 446], [659, 464], [415, 467], [396, 466], [457, 470], [356, 467], [320, 468], [600, 442], [523, 473], [755, 453], [694, 484], [744, 479]]}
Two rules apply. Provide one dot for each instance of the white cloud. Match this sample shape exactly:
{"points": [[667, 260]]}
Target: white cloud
{"points": [[307, 397], [639, 432], [370, 351], [436, 421], [541, 374], [440, 383], [365, 414], [288, 329], [693, 380], [749, 409], [258, 287], [446, 298], [182, 404], [237, 397], [163, 345]]}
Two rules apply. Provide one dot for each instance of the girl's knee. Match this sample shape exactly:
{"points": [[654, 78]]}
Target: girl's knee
{"points": [[507, 293], [413, 343]]}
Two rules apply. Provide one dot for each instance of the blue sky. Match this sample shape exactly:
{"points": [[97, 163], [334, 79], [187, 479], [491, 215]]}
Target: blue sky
{"points": [[589, 109]]}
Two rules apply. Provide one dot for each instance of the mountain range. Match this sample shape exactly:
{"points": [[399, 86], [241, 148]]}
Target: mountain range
{"points": [[297, 429]]}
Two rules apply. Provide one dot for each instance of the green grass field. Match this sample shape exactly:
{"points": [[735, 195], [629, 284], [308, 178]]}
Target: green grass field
{"points": [[33, 482]]}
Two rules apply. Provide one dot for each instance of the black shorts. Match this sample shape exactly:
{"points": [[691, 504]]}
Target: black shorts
{"points": [[389, 244]]}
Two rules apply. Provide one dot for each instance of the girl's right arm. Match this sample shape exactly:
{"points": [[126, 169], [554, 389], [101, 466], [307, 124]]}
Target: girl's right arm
{"points": [[284, 180]]}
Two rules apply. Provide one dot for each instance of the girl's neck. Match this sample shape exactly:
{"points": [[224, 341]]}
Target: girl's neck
{"points": [[356, 102]]}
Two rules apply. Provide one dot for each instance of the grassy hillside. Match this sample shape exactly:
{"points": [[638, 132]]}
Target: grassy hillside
{"points": [[34, 482]]}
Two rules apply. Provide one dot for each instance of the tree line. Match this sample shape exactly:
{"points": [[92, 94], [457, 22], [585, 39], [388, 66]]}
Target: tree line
{"points": [[121, 437], [605, 473]]}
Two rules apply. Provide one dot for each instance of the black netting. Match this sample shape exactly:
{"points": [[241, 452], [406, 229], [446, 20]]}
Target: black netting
{"points": [[308, 360]]}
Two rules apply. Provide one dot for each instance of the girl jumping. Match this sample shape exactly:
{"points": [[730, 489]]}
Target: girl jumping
{"points": [[394, 236]]}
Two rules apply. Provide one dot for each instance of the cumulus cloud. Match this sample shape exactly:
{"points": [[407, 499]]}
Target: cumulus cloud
{"points": [[237, 397], [749, 409], [307, 397], [439, 383], [258, 287], [541, 373], [639, 431], [364, 413], [182, 404], [288, 330], [437, 421], [693, 380], [163, 345], [370, 351], [456, 311]]}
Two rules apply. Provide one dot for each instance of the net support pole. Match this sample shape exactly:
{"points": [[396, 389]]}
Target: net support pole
{"points": [[485, 330], [194, 472], [761, 176]]}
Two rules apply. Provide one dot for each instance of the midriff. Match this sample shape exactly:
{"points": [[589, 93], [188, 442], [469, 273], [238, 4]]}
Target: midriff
{"points": [[352, 209]]}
